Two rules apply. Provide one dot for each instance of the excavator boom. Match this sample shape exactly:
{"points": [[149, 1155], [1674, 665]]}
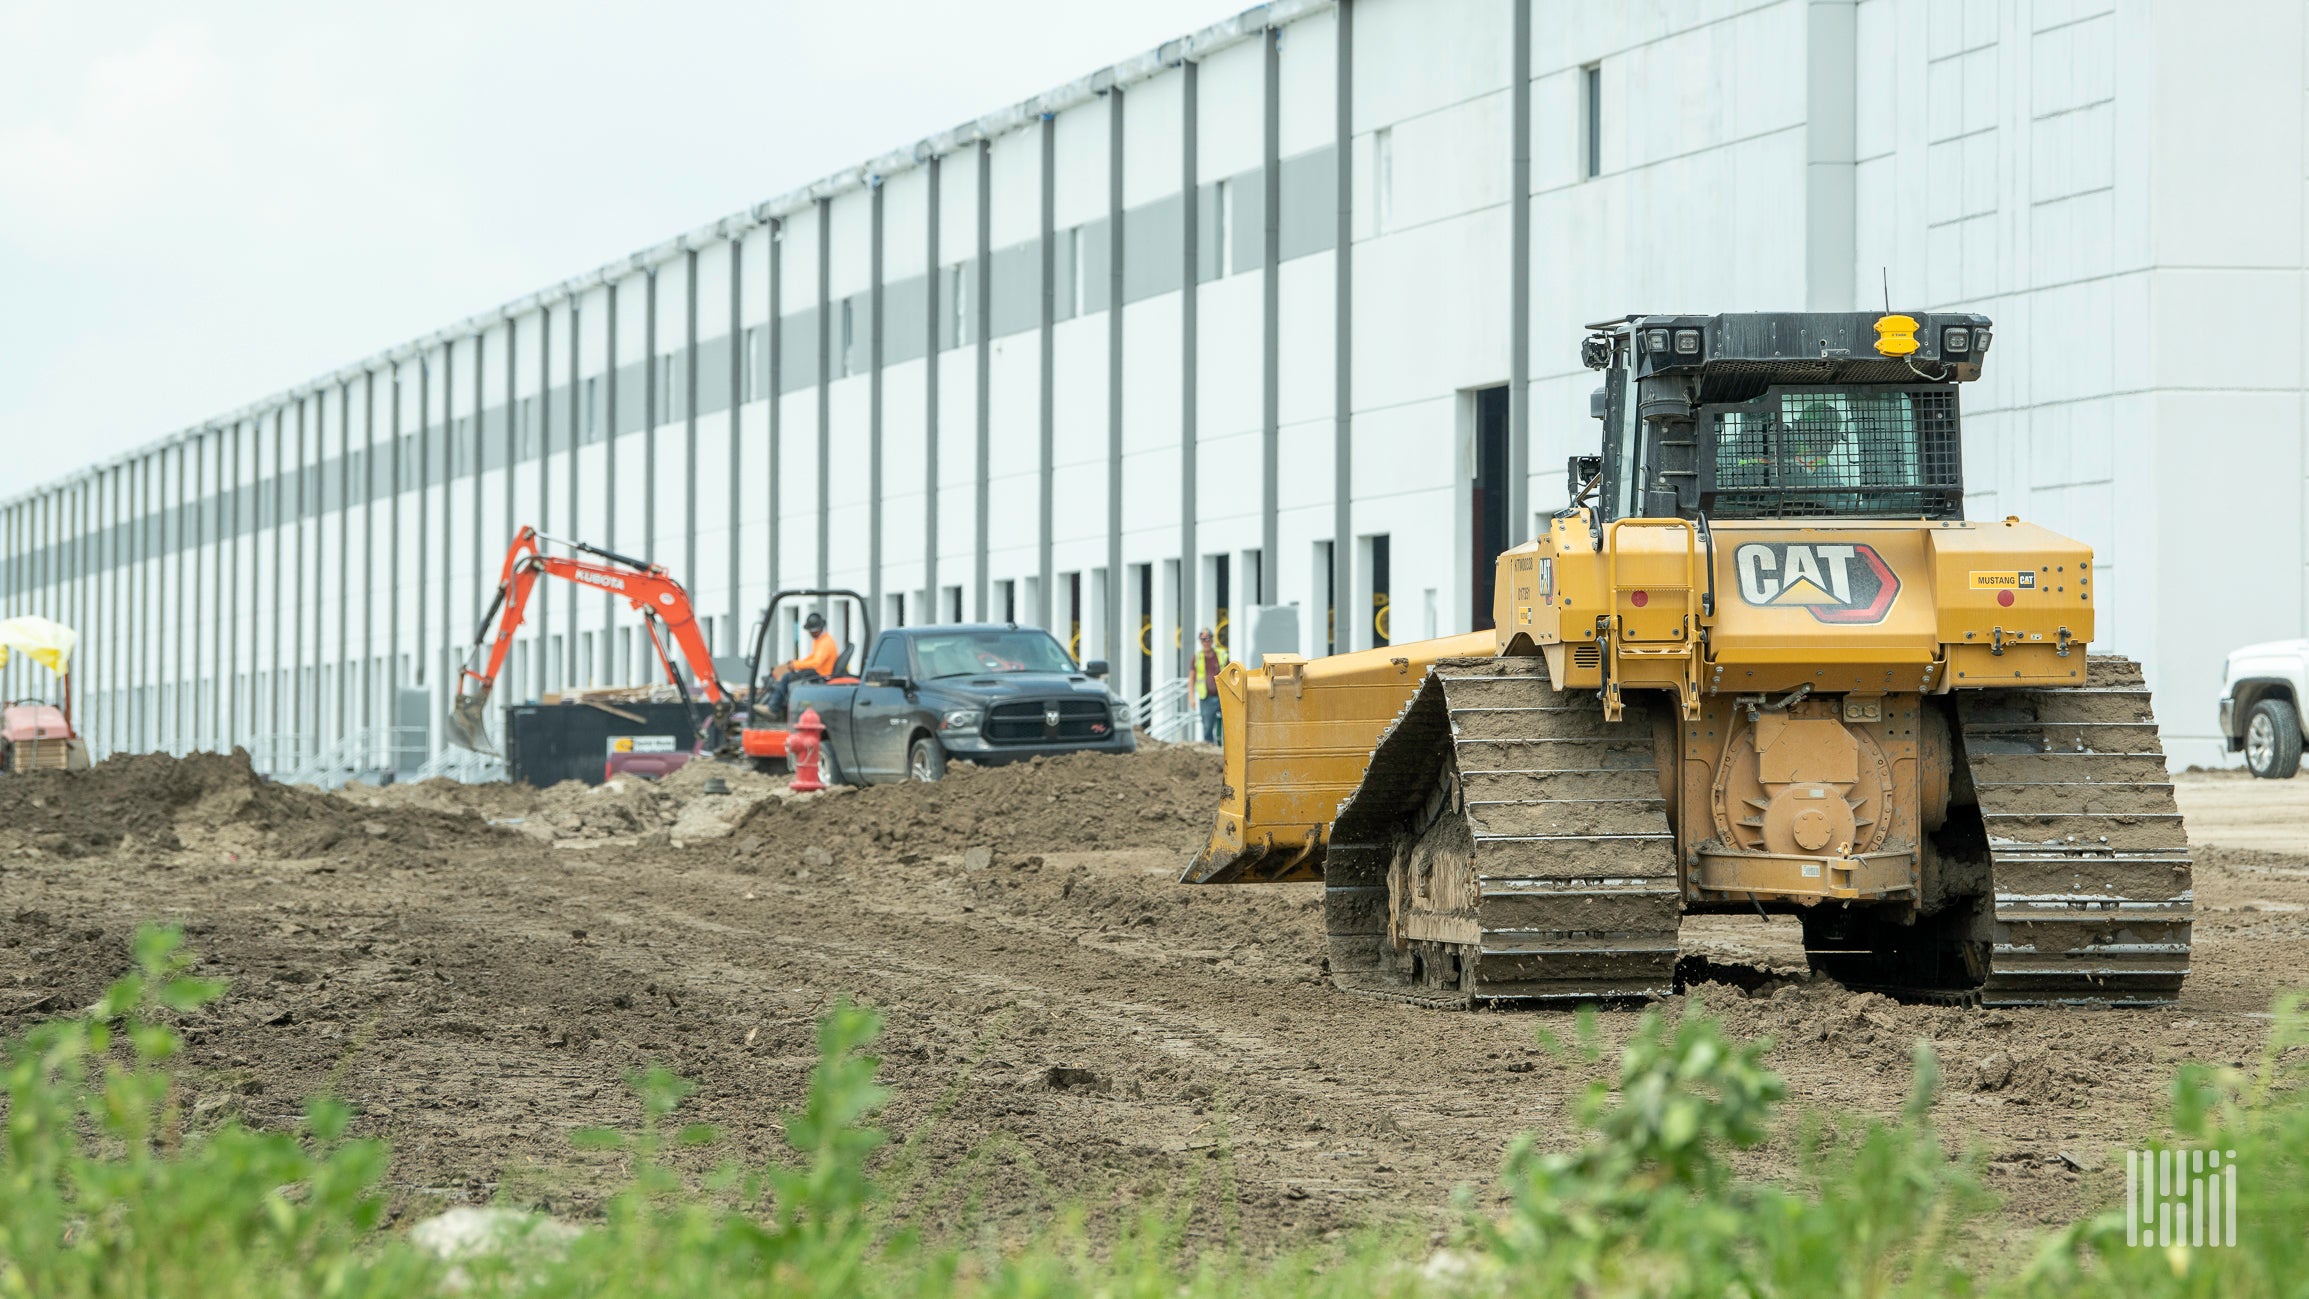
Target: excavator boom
{"points": [[647, 587]]}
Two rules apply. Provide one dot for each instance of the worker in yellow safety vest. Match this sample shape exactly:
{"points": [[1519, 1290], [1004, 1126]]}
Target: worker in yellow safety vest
{"points": [[1208, 661]]}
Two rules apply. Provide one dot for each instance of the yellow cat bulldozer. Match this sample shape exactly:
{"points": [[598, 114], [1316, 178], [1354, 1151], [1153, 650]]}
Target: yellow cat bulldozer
{"points": [[1763, 662]]}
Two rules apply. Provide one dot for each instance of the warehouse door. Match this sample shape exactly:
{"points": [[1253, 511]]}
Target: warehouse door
{"points": [[1487, 501]]}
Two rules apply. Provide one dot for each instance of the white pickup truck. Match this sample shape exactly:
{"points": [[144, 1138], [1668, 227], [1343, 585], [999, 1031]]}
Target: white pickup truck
{"points": [[2261, 697]]}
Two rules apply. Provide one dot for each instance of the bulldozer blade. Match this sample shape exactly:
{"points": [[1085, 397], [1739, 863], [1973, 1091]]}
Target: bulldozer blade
{"points": [[468, 726]]}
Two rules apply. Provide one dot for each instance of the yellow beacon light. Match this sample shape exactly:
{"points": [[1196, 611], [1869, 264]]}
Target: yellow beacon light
{"points": [[1895, 335]]}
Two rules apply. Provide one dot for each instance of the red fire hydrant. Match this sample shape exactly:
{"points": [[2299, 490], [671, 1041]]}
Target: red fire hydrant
{"points": [[803, 744]]}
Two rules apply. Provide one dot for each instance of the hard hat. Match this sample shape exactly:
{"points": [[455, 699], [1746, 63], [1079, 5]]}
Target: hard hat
{"points": [[815, 622]]}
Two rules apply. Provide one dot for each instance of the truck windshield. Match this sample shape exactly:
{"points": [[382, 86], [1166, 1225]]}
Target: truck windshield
{"points": [[970, 653]]}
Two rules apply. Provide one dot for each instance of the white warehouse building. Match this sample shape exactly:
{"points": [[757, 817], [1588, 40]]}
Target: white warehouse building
{"points": [[1285, 312]]}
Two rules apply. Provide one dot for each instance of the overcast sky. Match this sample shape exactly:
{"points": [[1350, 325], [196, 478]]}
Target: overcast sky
{"points": [[203, 204]]}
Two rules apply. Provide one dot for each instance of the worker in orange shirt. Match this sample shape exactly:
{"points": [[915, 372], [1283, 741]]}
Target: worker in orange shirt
{"points": [[816, 665]]}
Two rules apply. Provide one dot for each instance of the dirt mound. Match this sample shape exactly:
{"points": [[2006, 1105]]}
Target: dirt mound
{"points": [[1160, 797], [687, 805], [494, 800], [205, 801]]}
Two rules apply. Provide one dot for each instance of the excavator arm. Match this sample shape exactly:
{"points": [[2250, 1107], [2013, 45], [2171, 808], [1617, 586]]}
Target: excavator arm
{"points": [[647, 587]]}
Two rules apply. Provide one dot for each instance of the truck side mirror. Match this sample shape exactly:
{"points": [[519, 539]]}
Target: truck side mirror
{"points": [[1095, 668], [875, 677]]}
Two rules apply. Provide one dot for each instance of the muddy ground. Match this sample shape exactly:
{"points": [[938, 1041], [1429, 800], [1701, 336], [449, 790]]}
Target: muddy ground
{"points": [[478, 970]]}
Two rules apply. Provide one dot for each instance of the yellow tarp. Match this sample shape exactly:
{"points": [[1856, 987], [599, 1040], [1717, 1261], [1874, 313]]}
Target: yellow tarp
{"points": [[49, 643]]}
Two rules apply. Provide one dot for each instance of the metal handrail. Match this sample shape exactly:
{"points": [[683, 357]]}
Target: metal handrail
{"points": [[1166, 712]]}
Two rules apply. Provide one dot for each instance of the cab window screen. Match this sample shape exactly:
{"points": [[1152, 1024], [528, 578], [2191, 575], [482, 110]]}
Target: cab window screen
{"points": [[1865, 452]]}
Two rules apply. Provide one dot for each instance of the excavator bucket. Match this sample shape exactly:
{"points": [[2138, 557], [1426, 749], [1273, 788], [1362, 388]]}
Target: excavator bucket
{"points": [[468, 723]]}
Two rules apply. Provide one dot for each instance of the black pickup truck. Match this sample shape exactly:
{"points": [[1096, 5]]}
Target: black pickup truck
{"points": [[985, 693]]}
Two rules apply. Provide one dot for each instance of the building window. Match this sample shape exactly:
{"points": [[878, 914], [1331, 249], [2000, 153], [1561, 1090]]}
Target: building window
{"points": [[1382, 179], [1591, 121], [592, 420], [1074, 269], [752, 384], [849, 334], [1226, 228], [955, 294]]}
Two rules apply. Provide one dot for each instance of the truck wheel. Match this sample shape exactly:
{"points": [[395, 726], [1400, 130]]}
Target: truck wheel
{"points": [[926, 761], [2273, 739]]}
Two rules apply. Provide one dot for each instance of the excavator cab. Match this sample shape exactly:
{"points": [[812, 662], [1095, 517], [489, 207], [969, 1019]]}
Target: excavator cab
{"points": [[762, 737]]}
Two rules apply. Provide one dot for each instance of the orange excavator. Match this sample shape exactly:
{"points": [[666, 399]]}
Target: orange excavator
{"points": [[663, 604]]}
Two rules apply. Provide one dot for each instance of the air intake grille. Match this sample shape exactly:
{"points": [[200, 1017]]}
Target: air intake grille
{"points": [[1865, 452], [1028, 723]]}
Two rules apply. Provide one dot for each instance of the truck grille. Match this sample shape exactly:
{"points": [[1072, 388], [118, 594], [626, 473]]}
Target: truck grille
{"points": [[1027, 723]]}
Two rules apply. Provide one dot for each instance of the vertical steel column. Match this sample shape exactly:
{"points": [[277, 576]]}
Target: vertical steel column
{"points": [[874, 398], [741, 356], [1112, 614], [369, 674], [982, 324], [609, 665], [775, 255], [482, 587], [200, 606], [122, 672], [231, 479], [931, 278], [449, 652], [419, 650], [176, 709], [297, 601], [397, 484], [275, 494], [1519, 285], [176, 592], [576, 439], [1046, 391], [544, 483], [344, 550], [1190, 560], [650, 397], [140, 582], [443, 681], [108, 582], [689, 419], [10, 556], [1271, 345], [825, 382], [1343, 556]]}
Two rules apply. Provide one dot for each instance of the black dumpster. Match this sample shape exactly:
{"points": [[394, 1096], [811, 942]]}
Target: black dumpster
{"points": [[546, 744]]}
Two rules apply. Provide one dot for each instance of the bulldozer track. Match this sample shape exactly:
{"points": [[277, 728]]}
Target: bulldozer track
{"points": [[2090, 861], [1557, 859]]}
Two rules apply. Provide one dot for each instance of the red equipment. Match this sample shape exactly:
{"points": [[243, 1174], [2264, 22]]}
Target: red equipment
{"points": [[803, 744], [660, 600]]}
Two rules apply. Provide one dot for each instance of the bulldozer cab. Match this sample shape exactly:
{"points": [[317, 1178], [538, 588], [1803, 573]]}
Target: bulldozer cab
{"points": [[1778, 415]]}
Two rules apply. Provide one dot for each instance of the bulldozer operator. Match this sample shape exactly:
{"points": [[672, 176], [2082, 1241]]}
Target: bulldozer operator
{"points": [[816, 665]]}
